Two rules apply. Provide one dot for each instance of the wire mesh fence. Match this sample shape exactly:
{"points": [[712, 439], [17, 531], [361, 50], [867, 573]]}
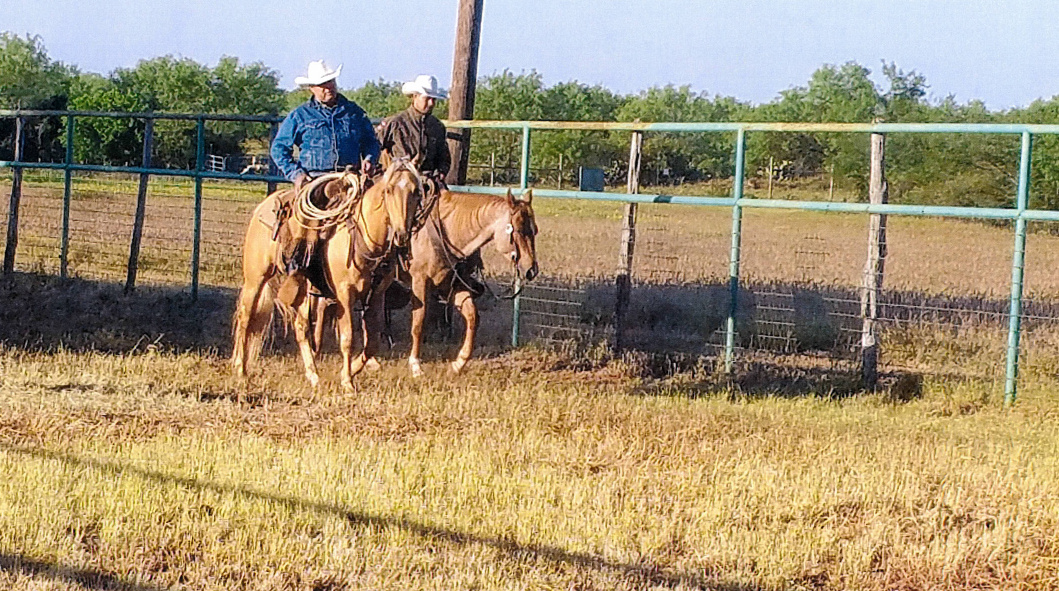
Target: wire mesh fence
{"points": [[943, 306]]}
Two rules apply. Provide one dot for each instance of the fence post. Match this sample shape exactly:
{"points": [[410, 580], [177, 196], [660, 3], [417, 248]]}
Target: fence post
{"points": [[273, 170], [770, 177], [878, 193], [141, 207], [16, 198], [64, 241], [623, 282], [200, 161], [516, 313], [1017, 265], [559, 184], [733, 261]]}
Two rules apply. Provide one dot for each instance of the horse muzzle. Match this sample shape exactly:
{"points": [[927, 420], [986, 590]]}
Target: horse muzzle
{"points": [[401, 238], [532, 272]]}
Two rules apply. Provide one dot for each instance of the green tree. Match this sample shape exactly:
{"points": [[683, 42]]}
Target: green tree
{"points": [[505, 96], [106, 140], [28, 77], [180, 85], [381, 99], [690, 156]]}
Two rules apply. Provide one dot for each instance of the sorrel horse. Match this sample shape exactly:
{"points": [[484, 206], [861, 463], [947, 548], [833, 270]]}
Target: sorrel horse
{"points": [[459, 225], [363, 236]]}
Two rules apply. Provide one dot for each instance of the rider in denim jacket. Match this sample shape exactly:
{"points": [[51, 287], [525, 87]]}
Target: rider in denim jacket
{"points": [[330, 130]]}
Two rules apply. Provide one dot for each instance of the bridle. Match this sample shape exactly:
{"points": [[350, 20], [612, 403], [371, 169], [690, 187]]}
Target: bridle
{"points": [[451, 261], [388, 244]]}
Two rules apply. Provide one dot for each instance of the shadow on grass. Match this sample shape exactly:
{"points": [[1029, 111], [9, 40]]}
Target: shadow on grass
{"points": [[83, 577], [640, 573], [43, 312], [796, 340]]}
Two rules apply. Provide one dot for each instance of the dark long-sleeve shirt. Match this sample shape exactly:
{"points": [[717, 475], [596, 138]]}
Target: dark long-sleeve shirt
{"points": [[416, 136], [328, 138]]}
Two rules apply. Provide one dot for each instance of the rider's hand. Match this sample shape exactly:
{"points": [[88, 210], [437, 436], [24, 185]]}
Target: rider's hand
{"points": [[367, 166], [299, 181]]}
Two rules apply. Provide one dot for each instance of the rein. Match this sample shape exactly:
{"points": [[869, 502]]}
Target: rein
{"points": [[360, 223], [451, 260]]}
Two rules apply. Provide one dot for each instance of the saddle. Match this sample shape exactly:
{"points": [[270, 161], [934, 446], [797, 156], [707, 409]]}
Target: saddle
{"points": [[297, 244]]}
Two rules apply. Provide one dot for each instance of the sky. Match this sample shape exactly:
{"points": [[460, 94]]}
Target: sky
{"points": [[1002, 52]]}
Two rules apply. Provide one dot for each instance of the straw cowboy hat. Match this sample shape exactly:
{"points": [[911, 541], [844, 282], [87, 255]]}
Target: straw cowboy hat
{"points": [[427, 85], [318, 74]]}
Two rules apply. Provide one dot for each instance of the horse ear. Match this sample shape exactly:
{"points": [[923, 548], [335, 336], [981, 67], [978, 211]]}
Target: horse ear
{"points": [[510, 198], [527, 196]]}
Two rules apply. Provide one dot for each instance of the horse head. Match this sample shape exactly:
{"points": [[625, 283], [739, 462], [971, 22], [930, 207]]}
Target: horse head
{"points": [[402, 193], [518, 238]]}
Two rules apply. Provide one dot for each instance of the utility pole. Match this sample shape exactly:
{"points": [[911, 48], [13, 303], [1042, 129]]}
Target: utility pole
{"points": [[464, 77]]}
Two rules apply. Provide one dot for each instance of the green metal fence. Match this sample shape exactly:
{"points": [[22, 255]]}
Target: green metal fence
{"points": [[1020, 213]]}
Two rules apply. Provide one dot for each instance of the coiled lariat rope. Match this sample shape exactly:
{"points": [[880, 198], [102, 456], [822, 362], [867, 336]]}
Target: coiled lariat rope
{"points": [[307, 215]]}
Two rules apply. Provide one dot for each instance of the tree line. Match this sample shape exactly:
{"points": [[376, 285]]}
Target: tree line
{"points": [[922, 168]]}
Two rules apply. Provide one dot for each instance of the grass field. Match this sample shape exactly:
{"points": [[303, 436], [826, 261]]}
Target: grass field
{"points": [[139, 471], [126, 462]]}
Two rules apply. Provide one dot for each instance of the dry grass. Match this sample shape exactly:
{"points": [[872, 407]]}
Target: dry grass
{"points": [[139, 471]]}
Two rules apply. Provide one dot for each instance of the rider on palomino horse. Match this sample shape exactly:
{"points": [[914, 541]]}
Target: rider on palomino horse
{"points": [[418, 135], [332, 132]]}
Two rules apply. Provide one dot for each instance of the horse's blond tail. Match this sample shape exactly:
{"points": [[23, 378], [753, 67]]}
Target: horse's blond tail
{"points": [[260, 322]]}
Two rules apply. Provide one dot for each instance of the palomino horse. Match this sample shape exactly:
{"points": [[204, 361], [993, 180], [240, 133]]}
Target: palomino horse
{"points": [[378, 220], [459, 225]]}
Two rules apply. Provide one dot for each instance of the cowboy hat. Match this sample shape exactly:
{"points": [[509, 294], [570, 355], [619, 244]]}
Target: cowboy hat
{"points": [[424, 84], [318, 74]]}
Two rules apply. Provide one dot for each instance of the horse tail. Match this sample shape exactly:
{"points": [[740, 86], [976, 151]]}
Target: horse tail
{"points": [[260, 321]]}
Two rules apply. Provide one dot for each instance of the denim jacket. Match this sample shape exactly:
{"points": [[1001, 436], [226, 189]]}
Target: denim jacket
{"points": [[328, 138]]}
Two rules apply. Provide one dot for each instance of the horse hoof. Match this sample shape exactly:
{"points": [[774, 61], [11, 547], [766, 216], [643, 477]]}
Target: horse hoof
{"points": [[458, 365], [348, 388], [417, 370], [372, 364], [314, 380]]}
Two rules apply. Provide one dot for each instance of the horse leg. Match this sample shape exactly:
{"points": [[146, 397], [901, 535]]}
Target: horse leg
{"points": [[319, 316], [373, 322], [302, 305], [465, 304], [345, 330], [419, 311], [371, 339]]}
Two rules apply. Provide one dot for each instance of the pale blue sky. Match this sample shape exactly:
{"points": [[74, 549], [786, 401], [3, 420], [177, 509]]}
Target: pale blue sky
{"points": [[1005, 52]]}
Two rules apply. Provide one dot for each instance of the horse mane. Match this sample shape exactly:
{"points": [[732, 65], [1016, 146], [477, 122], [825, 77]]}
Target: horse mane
{"points": [[464, 210]]}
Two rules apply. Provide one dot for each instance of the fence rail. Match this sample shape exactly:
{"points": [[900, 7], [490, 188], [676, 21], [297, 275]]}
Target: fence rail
{"points": [[1020, 214]]}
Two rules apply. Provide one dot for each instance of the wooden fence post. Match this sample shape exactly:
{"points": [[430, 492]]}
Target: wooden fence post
{"points": [[878, 193], [64, 239], [559, 184], [770, 177], [141, 207], [623, 282], [16, 197], [196, 239]]}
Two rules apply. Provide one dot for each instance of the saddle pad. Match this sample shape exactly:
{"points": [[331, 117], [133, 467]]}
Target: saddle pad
{"points": [[268, 211]]}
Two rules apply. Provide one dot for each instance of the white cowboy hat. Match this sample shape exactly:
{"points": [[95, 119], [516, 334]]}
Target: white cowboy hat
{"points": [[318, 74], [425, 84]]}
